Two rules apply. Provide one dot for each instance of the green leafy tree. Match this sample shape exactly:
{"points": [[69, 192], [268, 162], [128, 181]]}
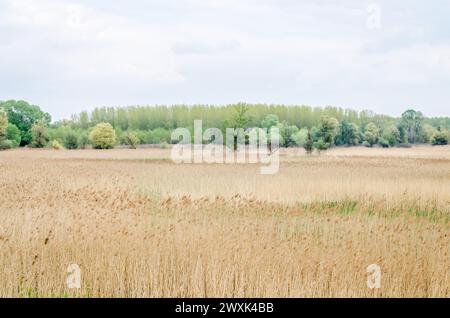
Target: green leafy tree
{"points": [[3, 124], [315, 133], [371, 134], [402, 131], [13, 135], [270, 121], [4, 143], [327, 130], [348, 134], [287, 134], [24, 116], [159, 135], [71, 140], [383, 142], [131, 140], [39, 135], [103, 136], [83, 140], [392, 136], [309, 143], [440, 138], [300, 137], [321, 145], [240, 118], [326, 133], [427, 133], [84, 120], [411, 122]]}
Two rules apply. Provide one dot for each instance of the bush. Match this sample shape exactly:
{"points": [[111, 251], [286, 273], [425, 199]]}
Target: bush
{"points": [[321, 145], [392, 136], [439, 139], [300, 138], [71, 140], [288, 134], [371, 134], [83, 140], [327, 131], [103, 136], [383, 142], [39, 135], [160, 135], [131, 140], [348, 134], [143, 136], [5, 144], [3, 126], [13, 135], [57, 145], [309, 143]]}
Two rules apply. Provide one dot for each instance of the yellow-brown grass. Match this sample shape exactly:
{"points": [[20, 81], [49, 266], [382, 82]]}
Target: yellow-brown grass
{"points": [[139, 225]]}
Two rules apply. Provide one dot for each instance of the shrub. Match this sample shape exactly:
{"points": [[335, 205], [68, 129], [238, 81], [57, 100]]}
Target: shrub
{"points": [[392, 136], [5, 144], [300, 137], [103, 136], [321, 145], [57, 145], [371, 134], [3, 125], [270, 121], [288, 134], [83, 140], [131, 140], [327, 131], [71, 140], [309, 143], [160, 135], [143, 136], [13, 135], [427, 133], [439, 139], [348, 134], [39, 135], [383, 142]]}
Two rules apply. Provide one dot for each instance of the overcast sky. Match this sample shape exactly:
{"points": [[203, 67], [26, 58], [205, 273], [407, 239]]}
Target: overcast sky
{"points": [[68, 56]]}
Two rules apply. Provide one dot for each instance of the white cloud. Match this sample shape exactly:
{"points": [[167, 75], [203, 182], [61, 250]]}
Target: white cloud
{"points": [[85, 44]]}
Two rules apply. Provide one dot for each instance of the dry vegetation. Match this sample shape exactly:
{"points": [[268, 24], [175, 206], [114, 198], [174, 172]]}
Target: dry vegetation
{"points": [[139, 225]]}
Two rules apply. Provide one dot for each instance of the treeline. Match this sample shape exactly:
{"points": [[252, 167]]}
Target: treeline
{"points": [[304, 126], [171, 117]]}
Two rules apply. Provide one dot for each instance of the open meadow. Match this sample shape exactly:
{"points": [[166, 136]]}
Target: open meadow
{"points": [[139, 225]]}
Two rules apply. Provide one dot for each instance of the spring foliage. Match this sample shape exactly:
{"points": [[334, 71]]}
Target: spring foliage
{"points": [[103, 136]]}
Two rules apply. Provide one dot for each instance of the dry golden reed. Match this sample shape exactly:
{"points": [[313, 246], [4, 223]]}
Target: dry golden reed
{"points": [[141, 226]]}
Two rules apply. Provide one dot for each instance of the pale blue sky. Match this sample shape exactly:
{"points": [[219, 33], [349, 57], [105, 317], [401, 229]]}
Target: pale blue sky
{"points": [[69, 56]]}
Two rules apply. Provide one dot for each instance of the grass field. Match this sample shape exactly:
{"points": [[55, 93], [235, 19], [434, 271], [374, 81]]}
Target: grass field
{"points": [[139, 225]]}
